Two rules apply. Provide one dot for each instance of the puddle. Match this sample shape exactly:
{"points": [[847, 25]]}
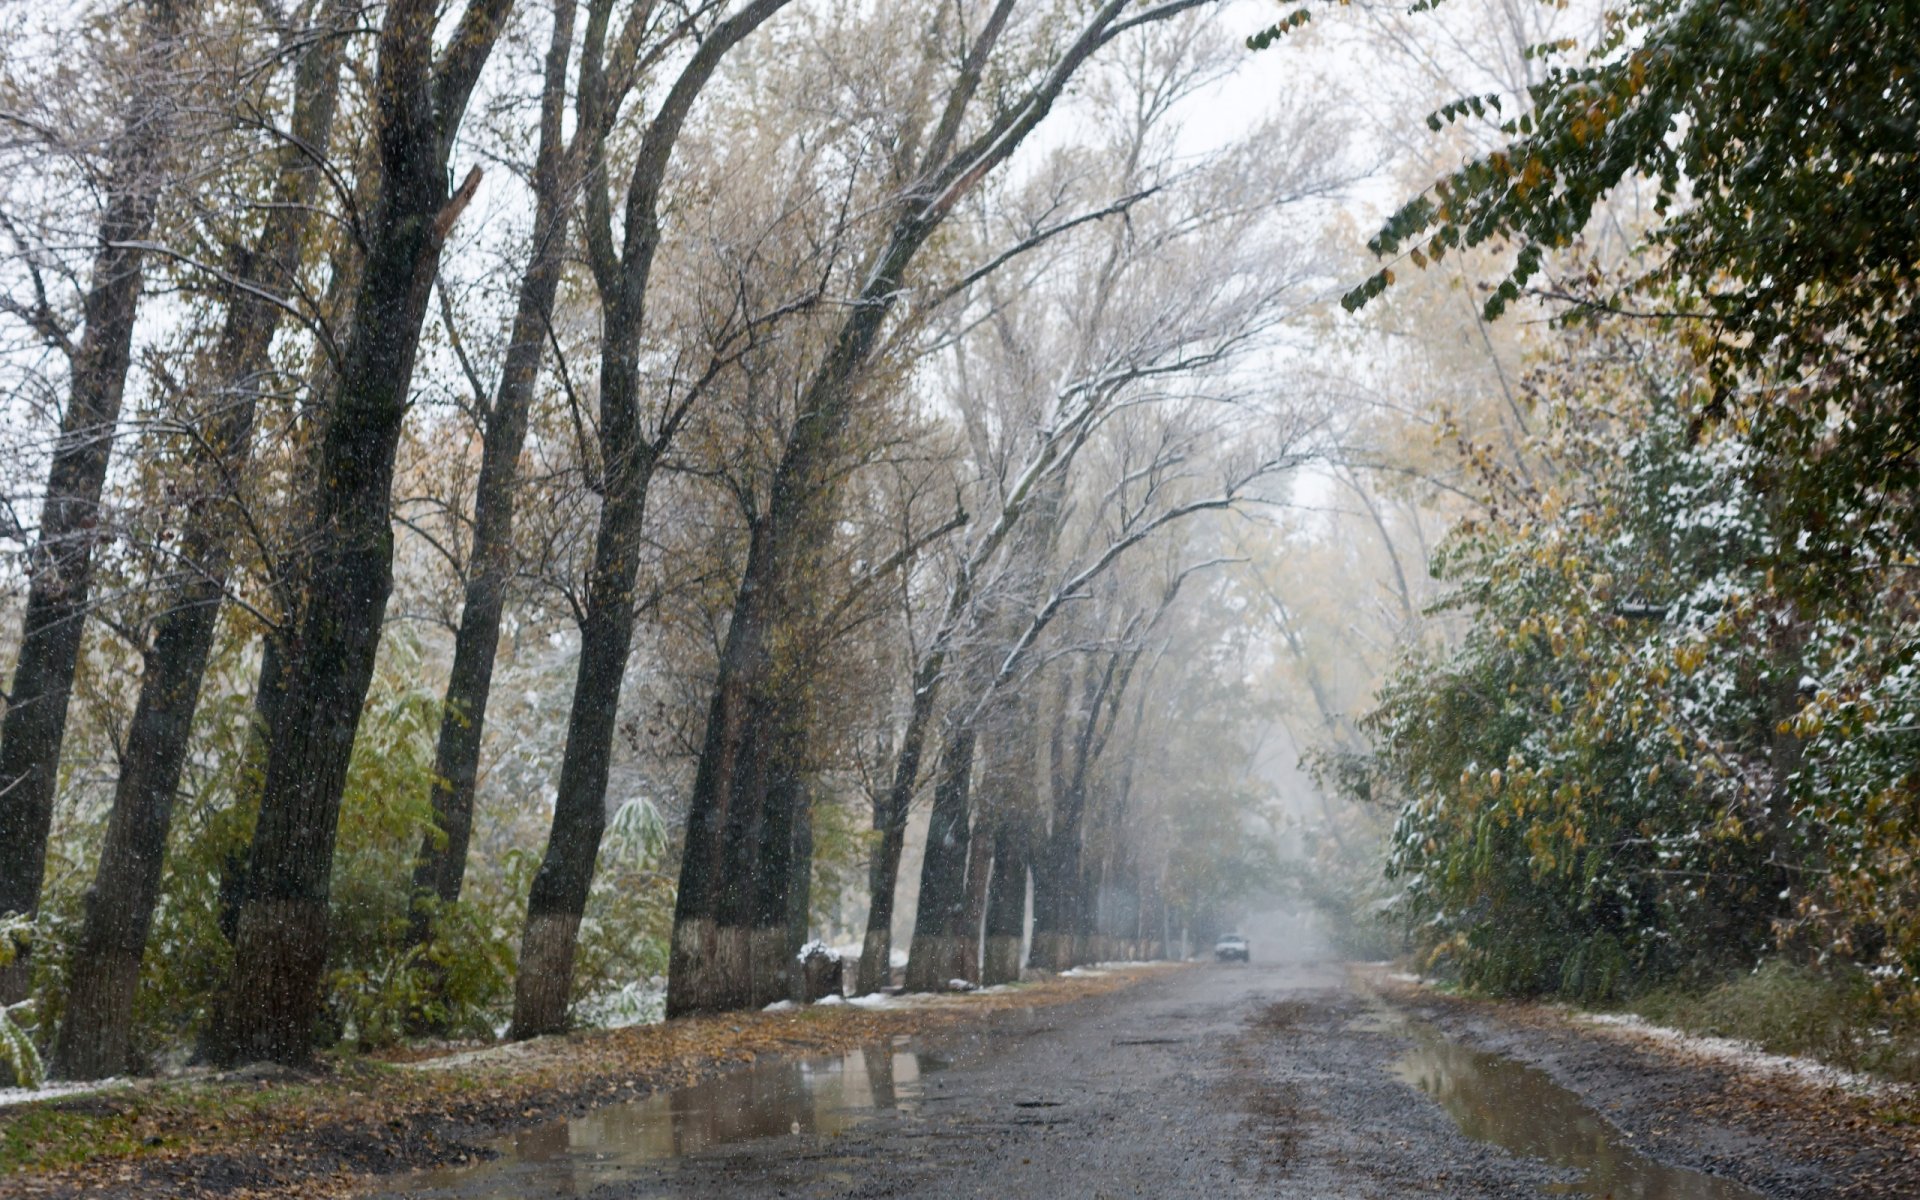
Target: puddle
{"points": [[1520, 1108], [572, 1156]]}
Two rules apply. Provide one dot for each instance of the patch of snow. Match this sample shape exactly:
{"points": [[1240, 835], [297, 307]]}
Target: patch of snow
{"points": [[485, 1054], [53, 1091], [831, 1000], [1082, 973], [897, 958], [1742, 1055], [1403, 977], [959, 985], [816, 946], [780, 1006], [875, 1000]]}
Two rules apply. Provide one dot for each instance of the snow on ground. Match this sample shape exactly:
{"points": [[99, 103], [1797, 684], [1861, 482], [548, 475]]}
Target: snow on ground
{"points": [[485, 1054], [780, 1006], [1741, 1055], [53, 1091]]}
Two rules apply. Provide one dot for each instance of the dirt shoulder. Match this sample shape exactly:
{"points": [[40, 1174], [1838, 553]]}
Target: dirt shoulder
{"points": [[270, 1132], [1777, 1126]]}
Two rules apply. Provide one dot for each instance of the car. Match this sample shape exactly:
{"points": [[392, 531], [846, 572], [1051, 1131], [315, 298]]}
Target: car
{"points": [[1232, 948]]}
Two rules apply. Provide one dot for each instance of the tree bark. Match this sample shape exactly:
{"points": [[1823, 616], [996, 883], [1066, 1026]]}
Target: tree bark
{"points": [[1006, 918], [1013, 776], [800, 880], [61, 568], [890, 821], [105, 967], [441, 864], [938, 927], [560, 888], [268, 1009], [772, 973], [979, 876]]}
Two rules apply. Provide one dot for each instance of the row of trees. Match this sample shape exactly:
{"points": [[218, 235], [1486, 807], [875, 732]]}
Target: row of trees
{"points": [[743, 384]]}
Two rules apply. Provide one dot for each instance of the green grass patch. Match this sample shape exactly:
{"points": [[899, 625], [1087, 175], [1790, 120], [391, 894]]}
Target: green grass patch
{"points": [[128, 1123], [1833, 1016], [45, 1136]]}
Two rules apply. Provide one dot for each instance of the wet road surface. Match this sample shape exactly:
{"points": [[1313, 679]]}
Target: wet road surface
{"points": [[1218, 1081]]}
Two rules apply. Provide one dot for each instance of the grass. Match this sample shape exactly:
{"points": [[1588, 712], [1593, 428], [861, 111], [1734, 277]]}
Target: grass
{"points": [[1833, 1016], [134, 1122]]}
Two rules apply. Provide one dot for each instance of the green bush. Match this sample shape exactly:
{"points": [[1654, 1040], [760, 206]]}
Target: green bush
{"points": [[624, 932], [17, 1051]]}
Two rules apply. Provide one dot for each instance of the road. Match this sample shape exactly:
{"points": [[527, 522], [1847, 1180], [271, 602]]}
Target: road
{"points": [[1277, 1079]]}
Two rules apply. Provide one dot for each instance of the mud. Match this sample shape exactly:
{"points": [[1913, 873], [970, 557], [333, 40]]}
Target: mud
{"points": [[1777, 1136], [1500, 1100]]}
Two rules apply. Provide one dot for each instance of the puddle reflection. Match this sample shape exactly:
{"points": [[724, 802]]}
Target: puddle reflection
{"points": [[572, 1156], [1520, 1108]]}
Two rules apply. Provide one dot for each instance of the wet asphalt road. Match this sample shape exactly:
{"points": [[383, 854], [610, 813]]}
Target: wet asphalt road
{"points": [[1220, 1081]]}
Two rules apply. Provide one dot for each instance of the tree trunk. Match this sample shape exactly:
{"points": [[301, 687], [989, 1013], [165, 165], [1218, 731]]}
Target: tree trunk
{"points": [[560, 888], [974, 915], [938, 933], [800, 884], [61, 568], [772, 974], [268, 1009], [890, 821], [695, 957], [559, 895], [441, 865], [105, 968], [705, 971], [1086, 909], [1006, 918], [1056, 888]]}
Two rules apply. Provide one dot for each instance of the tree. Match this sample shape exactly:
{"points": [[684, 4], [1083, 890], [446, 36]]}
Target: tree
{"points": [[628, 459], [35, 722], [440, 865], [1779, 242], [751, 732], [420, 97], [1592, 780], [106, 960], [1777, 257]]}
